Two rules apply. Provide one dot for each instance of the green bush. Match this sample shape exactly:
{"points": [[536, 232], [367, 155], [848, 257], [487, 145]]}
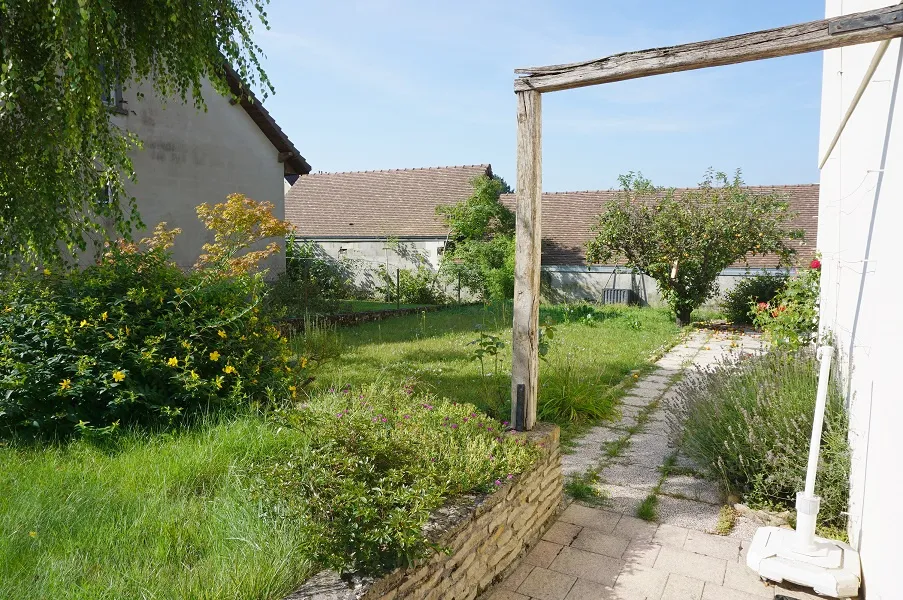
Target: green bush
{"points": [[790, 320], [131, 340], [378, 461], [747, 422], [135, 340], [419, 286], [479, 255], [748, 292]]}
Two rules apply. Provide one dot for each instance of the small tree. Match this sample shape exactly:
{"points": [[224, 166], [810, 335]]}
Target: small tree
{"points": [[480, 249], [684, 241]]}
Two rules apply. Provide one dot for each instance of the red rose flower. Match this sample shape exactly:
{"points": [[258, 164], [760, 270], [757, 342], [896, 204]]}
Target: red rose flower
{"points": [[815, 264]]}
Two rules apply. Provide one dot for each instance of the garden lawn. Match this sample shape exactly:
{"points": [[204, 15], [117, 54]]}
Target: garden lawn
{"points": [[162, 517], [587, 368]]}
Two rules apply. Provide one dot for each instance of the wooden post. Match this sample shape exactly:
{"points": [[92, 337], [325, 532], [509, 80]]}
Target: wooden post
{"points": [[525, 335]]}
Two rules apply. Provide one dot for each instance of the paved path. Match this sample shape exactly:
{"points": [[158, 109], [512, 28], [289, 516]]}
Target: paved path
{"points": [[608, 553]]}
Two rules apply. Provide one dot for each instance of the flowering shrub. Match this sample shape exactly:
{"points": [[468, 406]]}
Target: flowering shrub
{"points": [[135, 340], [751, 290], [790, 319], [746, 422], [378, 462]]}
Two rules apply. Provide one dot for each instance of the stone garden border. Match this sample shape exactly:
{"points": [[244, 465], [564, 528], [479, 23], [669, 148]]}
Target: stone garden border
{"points": [[483, 535]]}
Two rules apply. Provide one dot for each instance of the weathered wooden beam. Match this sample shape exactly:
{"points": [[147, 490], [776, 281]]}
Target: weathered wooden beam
{"points": [[525, 334], [847, 30]]}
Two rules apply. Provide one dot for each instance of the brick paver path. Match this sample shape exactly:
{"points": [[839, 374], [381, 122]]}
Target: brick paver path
{"points": [[593, 553]]}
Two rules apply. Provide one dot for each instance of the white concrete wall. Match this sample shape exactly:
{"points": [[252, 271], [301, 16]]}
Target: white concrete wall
{"points": [[560, 283], [369, 255], [859, 234], [191, 157], [589, 283]]}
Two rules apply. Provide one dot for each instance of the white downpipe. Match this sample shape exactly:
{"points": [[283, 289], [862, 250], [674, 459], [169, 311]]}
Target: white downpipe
{"points": [[807, 503]]}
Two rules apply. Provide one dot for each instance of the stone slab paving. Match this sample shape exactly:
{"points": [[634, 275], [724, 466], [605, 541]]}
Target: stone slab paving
{"points": [[607, 553]]}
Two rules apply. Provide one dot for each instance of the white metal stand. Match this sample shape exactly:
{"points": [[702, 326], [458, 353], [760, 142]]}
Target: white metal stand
{"points": [[829, 567]]}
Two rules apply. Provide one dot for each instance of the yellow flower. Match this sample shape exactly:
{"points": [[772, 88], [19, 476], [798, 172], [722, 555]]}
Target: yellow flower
{"points": [[103, 316], [228, 369], [65, 384], [303, 362], [173, 362], [46, 271], [222, 334], [186, 345], [293, 390], [179, 291], [219, 382], [109, 335], [84, 323], [214, 356], [118, 375], [194, 374], [33, 534]]}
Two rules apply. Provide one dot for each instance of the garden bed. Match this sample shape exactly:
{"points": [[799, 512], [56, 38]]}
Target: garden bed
{"points": [[345, 319], [479, 537]]}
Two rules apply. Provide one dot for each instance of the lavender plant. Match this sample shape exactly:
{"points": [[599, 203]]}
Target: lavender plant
{"points": [[747, 423]]}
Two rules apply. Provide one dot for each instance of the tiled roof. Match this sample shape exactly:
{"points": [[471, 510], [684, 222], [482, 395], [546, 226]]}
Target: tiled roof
{"points": [[377, 203], [568, 216]]}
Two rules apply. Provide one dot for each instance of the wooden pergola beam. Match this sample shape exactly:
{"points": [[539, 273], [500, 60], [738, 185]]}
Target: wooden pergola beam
{"points": [[858, 28], [528, 239], [848, 30]]}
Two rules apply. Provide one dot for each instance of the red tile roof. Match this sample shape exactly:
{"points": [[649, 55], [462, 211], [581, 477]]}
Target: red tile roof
{"points": [[396, 203], [568, 216], [402, 203]]}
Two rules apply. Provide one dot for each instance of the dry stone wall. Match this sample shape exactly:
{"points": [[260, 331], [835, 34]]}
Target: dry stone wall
{"points": [[483, 537]]}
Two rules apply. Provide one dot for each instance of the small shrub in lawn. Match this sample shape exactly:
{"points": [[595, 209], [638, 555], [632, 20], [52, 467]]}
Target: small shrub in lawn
{"points": [[135, 340], [378, 461], [413, 286], [790, 320], [749, 292], [747, 423]]}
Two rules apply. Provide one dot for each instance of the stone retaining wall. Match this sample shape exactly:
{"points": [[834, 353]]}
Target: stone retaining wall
{"points": [[345, 319], [483, 535]]}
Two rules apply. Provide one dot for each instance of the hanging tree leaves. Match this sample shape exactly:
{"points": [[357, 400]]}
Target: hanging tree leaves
{"points": [[685, 241], [64, 161]]}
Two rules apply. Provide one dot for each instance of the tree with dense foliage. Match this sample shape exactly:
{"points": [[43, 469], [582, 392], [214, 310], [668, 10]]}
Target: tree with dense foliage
{"points": [[480, 249], [64, 162], [684, 241]]}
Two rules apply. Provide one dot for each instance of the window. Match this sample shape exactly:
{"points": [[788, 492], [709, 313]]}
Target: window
{"points": [[112, 96]]}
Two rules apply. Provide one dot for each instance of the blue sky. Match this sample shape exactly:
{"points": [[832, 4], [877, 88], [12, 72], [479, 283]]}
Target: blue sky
{"points": [[384, 84]]}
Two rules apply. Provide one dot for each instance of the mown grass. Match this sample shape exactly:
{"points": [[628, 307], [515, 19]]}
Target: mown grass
{"points": [[584, 372], [163, 516]]}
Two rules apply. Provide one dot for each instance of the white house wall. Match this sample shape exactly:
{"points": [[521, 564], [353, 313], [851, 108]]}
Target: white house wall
{"points": [[859, 234], [191, 157]]}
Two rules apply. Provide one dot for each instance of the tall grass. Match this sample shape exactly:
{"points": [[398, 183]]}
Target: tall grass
{"points": [[747, 422], [147, 516]]}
